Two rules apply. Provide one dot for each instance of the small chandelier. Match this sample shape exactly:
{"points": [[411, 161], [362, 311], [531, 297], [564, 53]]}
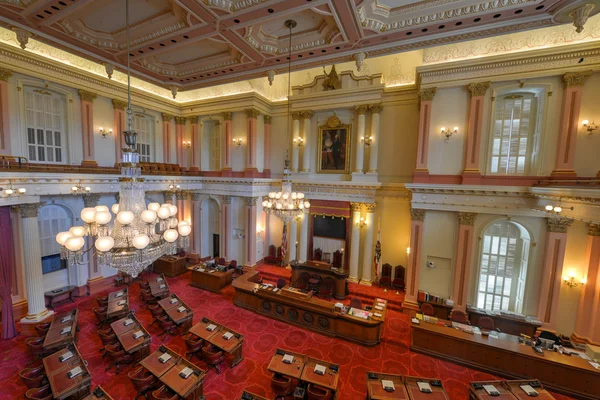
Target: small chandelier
{"points": [[79, 189], [10, 191]]}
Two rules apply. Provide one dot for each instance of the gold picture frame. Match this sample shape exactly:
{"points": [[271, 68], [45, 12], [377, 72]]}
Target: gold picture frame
{"points": [[333, 151]]}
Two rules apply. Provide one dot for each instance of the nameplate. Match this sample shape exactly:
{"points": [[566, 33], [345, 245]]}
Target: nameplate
{"points": [[491, 390], [164, 358], [424, 387], [211, 271], [186, 372], [66, 330], [173, 300], [288, 359], [128, 322], [201, 270], [181, 309], [122, 303], [66, 319], [377, 315], [529, 390], [159, 279], [74, 372], [162, 286], [228, 336], [388, 385], [138, 334], [211, 327], [119, 294], [320, 369], [379, 308], [65, 356]]}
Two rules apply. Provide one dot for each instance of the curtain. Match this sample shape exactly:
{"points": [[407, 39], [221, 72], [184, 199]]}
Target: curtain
{"points": [[7, 261]]}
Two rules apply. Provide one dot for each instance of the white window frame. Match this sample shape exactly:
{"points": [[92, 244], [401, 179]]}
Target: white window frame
{"points": [[145, 136], [50, 225]]}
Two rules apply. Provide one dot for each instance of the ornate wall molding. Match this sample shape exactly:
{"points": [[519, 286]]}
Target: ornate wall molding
{"points": [[251, 201], [296, 115], [572, 79], [5, 74], [417, 214], [226, 116], [30, 210], [356, 207], [558, 225], [252, 113], [361, 109], [307, 114], [87, 96], [427, 94], [466, 218], [370, 207], [226, 199], [267, 119], [119, 104], [478, 89], [180, 120], [594, 229], [375, 108], [167, 117]]}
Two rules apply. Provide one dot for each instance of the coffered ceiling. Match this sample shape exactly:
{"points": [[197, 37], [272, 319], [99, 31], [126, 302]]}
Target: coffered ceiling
{"points": [[199, 43]]}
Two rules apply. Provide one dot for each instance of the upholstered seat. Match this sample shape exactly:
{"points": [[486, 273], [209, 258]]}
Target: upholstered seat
{"points": [[385, 280], [43, 393], [156, 311], [427, 309], [398, 281], [487, 324], [102, 301], [142, 380], [318, 393], [213, 357], [100, 313], [41, 328], [148, 298], [194, 345], [117, 356], [163, 394], [167, 325], [281, 385], [459, 316], [35, 346], [107, 337], [281, 282], [356, 303], [33, 377]]}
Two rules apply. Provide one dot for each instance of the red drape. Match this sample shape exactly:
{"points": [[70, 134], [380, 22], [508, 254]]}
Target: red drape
{"points": [[7, 260]]}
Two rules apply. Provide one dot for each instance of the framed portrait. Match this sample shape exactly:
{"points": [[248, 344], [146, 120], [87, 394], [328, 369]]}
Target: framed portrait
{"points": [[334, 147]]}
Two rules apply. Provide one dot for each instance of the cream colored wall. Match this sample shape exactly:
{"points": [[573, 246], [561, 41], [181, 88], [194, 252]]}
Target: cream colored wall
{"points": [[238, 129], [587, 161], [394, 215], [439, 240]]}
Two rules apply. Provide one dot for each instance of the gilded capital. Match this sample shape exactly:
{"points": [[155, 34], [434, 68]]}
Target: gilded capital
{"points": [[417, 214], [180, 195], [30, 210], [5, 74], [252, 113], [251, 201], [86, 96], [361, 109], [193, 119], [91, 200], [226, 199], [572, 79], [119, 104], [196, 196], [375, 108], [180, 120], [226, 116], [296, 115], [558, 225], [267, 119], [427, 94], [478, 89], [356, 206], [466, 218], [594, 229], [307, 114], [166, 117], [370, 207], [167, 196]]}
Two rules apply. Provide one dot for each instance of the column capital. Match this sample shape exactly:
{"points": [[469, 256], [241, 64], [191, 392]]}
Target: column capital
{"points": [[196, 196], [267, 119], [307, 114], [370, 207], [180, 120], [361, 109], [193, 119], [167, 195], [167, 117], [119, 104], [5, 74], [558, 225], [296, 115], [427, 94], [417, 214], [180, 195], [30, 210], [594, 229], [375, 108], [573, 79], [87, 96], [466, 218], [226, 116], [91, 200], [251, 201], [479, 88], [252, 113], [356, 206], [226, 199]]}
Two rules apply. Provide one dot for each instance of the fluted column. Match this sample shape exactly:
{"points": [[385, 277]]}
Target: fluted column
{"points": [[226, 145], [367, 268], [118, 128], [414, 258], [197, 223], [360, 133], [251, 145], [4, 112], [355, 242], [195, 162], [303, 250], [226, 226], [180, 197], [554, 255], [587, 327], [471, 173], [180, 134], [569, 123], [374, 147], [267, 149], [166, 118], [464, 254], [425, 101], [87, 127], [307, 115], [250, 231], [295, 134], [32, 258]]}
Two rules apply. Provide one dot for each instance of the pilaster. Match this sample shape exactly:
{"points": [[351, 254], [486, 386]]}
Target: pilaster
{"points": [[367, 268], [355, 242], [267, 149], [307, 145], [250, 217], [119, 107], [5, 148], [180, 134], [374, 146], [587, 327], [226, 145], [295, 134], [226, 226], [421, 173], [471, 173], [464, 254], [196, 140], [414, 258], [87, 127], [360, 132], [251, 145]]}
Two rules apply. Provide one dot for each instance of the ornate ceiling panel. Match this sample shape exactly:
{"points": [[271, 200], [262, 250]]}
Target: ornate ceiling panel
{"points": [[198, 43]]}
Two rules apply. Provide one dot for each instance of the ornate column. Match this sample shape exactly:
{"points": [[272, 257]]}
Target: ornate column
{"points": [[569, 123], [464, 253], [94, 282], [166, 118], [471, 173], [374, 147], [87, 127], [360, 133], [355, 242], [303, 250], [226, 145], [293, 245], [554, 254], [267, 149], [180, 134], [295, 134], [195, 162], [180, 197], [368, 245], [252, 134], [250, 231], [421, 173], [225, 226], [307, 141], [197, 223], [413, 271], [4, 113], [118, 128], [167, 197], [32, 259], [587, 327]]}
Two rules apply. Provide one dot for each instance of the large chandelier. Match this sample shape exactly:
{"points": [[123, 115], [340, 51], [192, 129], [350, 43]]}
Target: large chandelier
{"points": [[287, 205], [138, 235]]}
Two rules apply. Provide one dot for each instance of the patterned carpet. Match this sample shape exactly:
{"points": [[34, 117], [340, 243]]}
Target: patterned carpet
{"points": [[262, 337]]}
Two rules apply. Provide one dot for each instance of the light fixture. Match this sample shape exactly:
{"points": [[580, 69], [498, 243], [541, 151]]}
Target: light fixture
{"points": [[259, 231], [187, 145], [448, 133], [366, 140], [362, 222], [105, 132], [10, 191], [556, 209], [174, 188], [590, 128], [299, 142], [139, 234], [408, 251], [572, 282], [80, 190], [285, 204], [237, 142]]}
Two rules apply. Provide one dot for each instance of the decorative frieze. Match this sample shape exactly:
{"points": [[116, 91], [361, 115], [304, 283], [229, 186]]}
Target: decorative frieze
{"points": [[180, 120], [226, 116], [91, 200], [427, 94], [252, 113], [30, 210], [251, 201], [594, 229], [572, 79], [87, 96], [466, 218], [119, 104], [226, 199], [361, 109], [267, 119], [417, 214], [167, 117], [478, 89], [558, 225], [5, 74]]}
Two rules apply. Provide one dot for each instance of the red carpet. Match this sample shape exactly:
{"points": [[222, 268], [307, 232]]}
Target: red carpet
{"points": [[262, 337]]}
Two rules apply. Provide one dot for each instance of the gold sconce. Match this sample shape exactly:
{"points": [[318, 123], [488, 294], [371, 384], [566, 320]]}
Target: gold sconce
{"points": [[299, 141], [572, 282], [590, 128], [366, 140], [448, 133], [237, 142], [362, 222], [10, 191], [105, 132], [187, 144], [79, 189], [259, 231]]}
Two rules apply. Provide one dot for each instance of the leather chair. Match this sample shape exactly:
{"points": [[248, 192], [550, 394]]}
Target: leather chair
{"points": [[302, 282], [337, 259], [43, 393], [142, 380], [427, 309], [167, 325], [318, 393], [117, 357], [102, 301], [100, 313], [239, 269], [194, 345], [232, 265], [356, 303], [148, 298], [33, 377], [385, 280], [41, 328], [221, 261], [326, 287], [281, 385], [213, 357], [281, 282], [163, 394], [156, 311], [459, 316], [36, 347], [107, 338], [398, 282], [487, 324]]}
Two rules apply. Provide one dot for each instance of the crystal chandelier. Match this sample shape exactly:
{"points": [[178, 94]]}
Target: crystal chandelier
{"points": [[139, 235], [287, 205]]}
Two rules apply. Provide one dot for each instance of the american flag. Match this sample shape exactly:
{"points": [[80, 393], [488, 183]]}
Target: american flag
{"points": [[377, 258], [284, 243]]}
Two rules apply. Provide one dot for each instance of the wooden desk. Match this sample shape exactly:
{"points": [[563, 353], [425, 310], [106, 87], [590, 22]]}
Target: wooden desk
{"points": [[478, 393], [329, 380], [338, 275], [312, 313], [232, 346], [437, 392], [159, 287], [441, 310], [171, 309], [375, 389], [61, 385], [117, 308], [140, 346], [505, 357], [212, 281], [54, 339], [52, 295], [118, 295], [293, 370], [98, 394], [251, 396], [512, 325], [171, 266], [515, 388], [152, 364]]}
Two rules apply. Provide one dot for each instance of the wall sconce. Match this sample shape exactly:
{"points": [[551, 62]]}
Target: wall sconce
{"points": [[174, 188], [299, 142], [556, 209], [362, 222], [571, 282], [80, 190], [408, 251], [259, 231], [237, 142], [366, 140], [10, 191], [186, 145], [448, 133], [105, 132], [590, 128]]}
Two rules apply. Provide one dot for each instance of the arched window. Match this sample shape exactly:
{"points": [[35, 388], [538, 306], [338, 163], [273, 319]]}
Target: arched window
{"points": [[52, 219], [503, 267], [45, 125], [144, 126]]}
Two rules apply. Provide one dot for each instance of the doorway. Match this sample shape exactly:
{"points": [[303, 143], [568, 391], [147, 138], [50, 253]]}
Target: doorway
{"points": [[216, 245]]}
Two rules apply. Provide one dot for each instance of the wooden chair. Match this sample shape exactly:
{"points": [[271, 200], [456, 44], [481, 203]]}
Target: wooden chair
{"points": [[108, 338], [302, 282], [213, 357], [41, 328], [168, 326], [43, 393], [356, 303], [281, 385], [102, 301], [487, 324], [337, 259], [35, 345], [318, 254], [117, 357], [142, 380], [385, 280], [398, 282], [281, 282], [459, 316], [194, 345], [318, 393], [163, 394], [100, 313], [427, 309], [314, 282], [326, 287], [33, 377]]}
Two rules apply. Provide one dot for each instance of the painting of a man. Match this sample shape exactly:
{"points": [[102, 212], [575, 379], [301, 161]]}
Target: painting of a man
{"points": [[334, 146]]}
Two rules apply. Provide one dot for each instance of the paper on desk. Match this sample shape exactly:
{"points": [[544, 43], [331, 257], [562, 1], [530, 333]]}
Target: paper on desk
{"points": [[595, 365], [377, 314]]}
